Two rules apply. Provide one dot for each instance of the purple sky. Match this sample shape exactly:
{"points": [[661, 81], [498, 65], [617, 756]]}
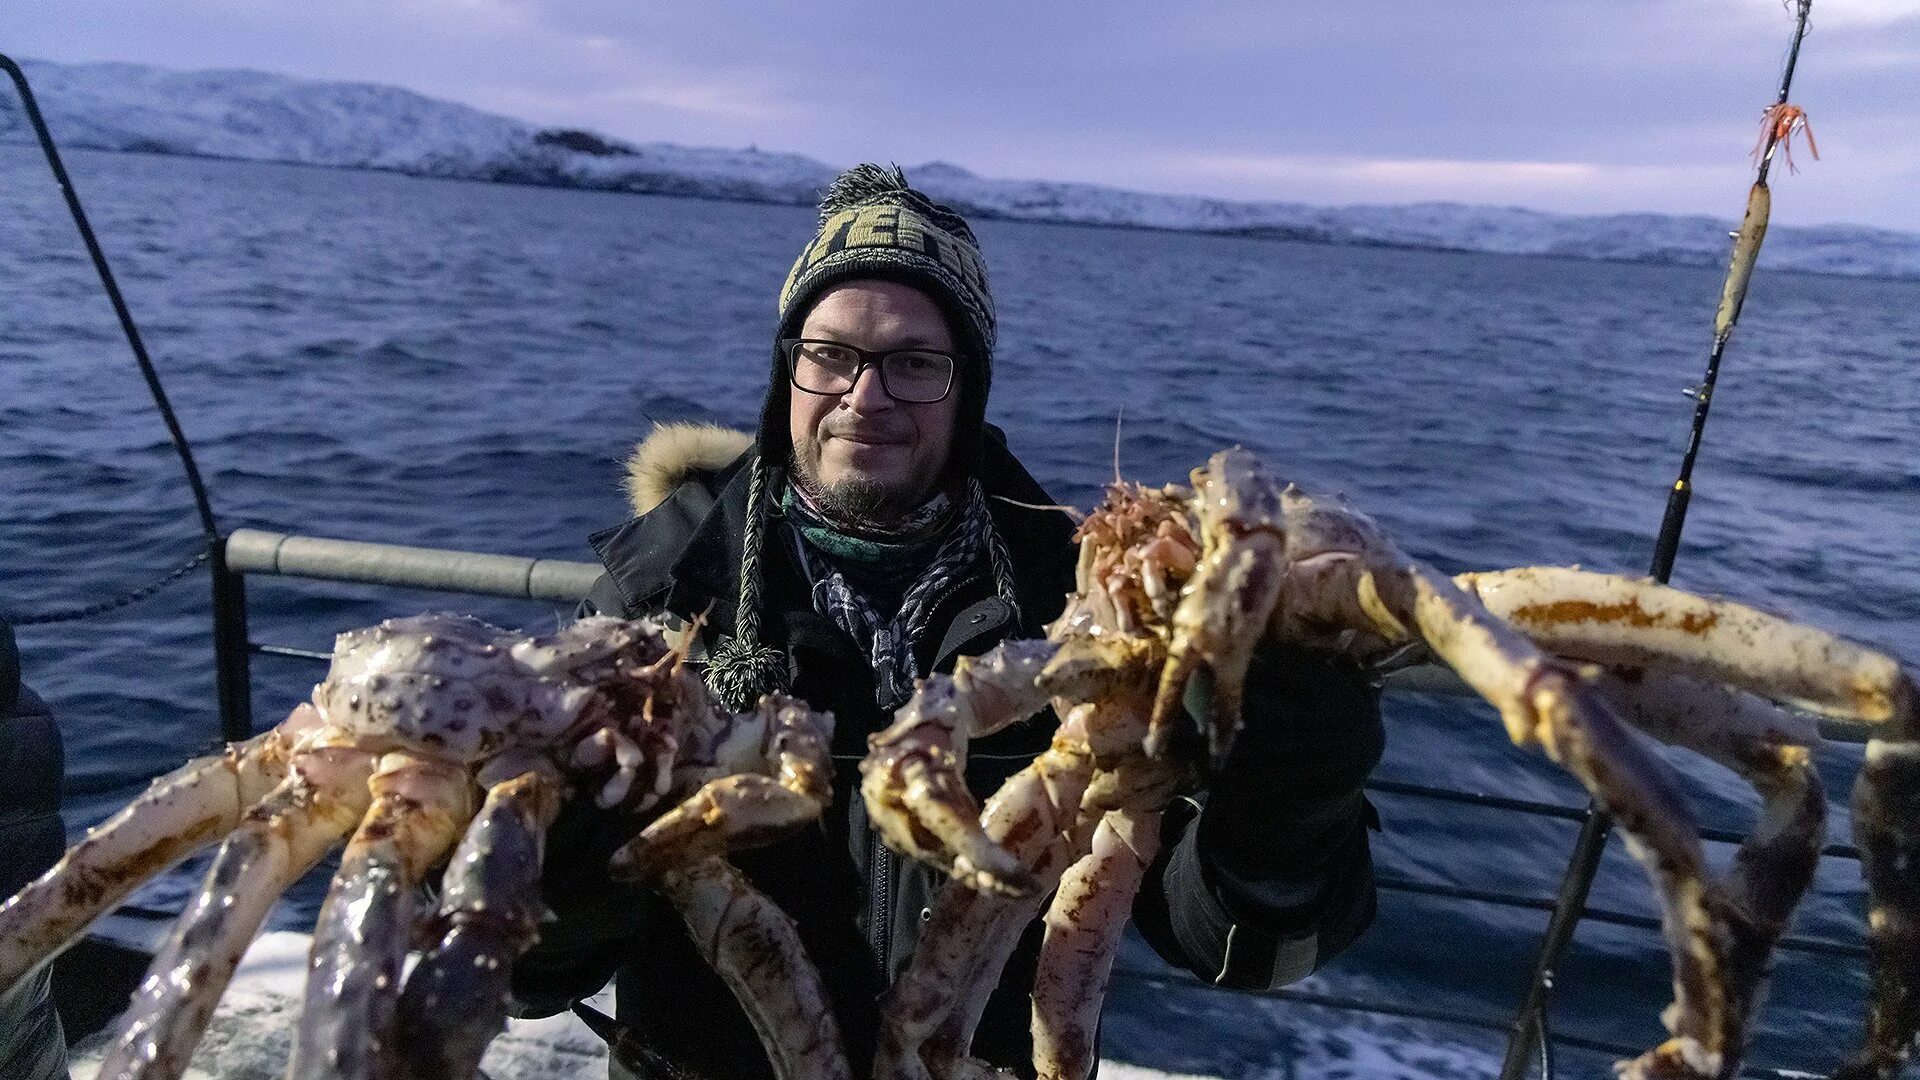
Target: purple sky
{"points": [[1572, 105]]}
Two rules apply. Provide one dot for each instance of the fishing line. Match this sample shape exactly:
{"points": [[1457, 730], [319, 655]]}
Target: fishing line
{"points": [[202, 504]]}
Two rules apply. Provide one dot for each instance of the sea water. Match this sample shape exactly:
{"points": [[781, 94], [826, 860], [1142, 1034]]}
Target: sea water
{"points": [[454, 364]]}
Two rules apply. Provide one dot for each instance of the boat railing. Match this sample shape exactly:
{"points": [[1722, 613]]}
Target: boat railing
{"points": [[257, 552]]}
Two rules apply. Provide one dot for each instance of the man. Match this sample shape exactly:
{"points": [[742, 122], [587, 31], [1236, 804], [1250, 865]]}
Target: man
{"points": [[32, 1046], [874, 530]]}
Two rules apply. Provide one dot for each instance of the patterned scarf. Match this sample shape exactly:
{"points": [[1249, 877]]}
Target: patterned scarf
{"points": [[879, 561], [889, 643]]}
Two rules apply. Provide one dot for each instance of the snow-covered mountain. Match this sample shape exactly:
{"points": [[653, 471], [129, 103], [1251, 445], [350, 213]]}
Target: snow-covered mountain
{"points": [[262, 117]]}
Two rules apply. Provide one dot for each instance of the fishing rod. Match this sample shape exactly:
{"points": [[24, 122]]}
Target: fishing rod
{"points": [[1779, 121], [201, 503], [228, 590]]}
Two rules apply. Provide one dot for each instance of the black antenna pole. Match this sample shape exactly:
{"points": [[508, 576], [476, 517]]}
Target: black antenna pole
{"points": [[1530, 1024]]}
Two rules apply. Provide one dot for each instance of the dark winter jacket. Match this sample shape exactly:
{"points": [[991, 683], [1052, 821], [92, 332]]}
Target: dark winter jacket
{"points": [[31, 839], [1294, 887]]}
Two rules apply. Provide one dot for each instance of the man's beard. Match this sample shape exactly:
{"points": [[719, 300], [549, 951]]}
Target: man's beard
{"points": [[856, 502]]}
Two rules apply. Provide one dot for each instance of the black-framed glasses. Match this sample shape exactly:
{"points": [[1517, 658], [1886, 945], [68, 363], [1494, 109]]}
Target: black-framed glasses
{"points": [[914, 376]]}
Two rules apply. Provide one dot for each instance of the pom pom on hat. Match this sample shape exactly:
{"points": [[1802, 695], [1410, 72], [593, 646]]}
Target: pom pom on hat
{"points": [[861, 184]]}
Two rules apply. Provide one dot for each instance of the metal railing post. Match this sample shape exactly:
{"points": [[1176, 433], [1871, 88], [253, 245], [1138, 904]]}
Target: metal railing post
{"points": [[232, 653]]}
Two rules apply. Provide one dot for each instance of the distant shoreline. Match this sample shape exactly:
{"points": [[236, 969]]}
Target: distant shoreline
{"points": [[694, 191], [237, 115]]}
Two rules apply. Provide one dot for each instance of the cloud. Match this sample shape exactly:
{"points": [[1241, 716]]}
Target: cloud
{"points": [[1539, 183], [712, 100], [1561, 104], [1417, 172], [1888, 58], [706, 99]]}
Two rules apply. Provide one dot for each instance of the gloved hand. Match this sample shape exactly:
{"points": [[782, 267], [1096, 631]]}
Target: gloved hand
{"points": [[1274, 878], [1288, 800]]}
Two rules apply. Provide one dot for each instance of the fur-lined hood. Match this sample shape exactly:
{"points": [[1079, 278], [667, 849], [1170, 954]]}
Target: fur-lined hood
{"points": [[686, 553], [673, 452]]}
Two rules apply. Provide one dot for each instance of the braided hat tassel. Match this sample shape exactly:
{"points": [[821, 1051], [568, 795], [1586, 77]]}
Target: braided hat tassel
{"points": [[741, 669]]}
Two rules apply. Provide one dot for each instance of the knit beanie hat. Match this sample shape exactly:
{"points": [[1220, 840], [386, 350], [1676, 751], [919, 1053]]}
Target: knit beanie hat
{"points": [[872, 226]]}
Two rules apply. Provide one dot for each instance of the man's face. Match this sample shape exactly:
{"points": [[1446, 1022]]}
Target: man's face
{"points": [[865, 453]]}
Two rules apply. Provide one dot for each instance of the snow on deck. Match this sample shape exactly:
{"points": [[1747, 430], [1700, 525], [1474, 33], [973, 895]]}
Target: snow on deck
{"points": [[252, 1031]]}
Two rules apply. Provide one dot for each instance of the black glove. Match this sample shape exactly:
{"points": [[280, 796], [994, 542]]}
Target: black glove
{"points": [[1286, 810], [1274, 877]]}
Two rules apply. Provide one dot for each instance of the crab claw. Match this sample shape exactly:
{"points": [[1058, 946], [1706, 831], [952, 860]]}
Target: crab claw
{"points": [[913, 778], [732, 812], [1225, 607], [917, 797]]}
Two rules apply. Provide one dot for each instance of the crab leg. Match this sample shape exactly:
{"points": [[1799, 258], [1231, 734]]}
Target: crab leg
{"points": [[1037, 820], [280, 838], [1886, 827], [972, 932], [1628, 622], [1775, 865], [769, 773], [1769, 748], [1120, 814], [746, 938], [1639, 623], [420, 806], [756, 950], [1226, 603], [946, 1050], [1000, 923], [1369, 586], [1542, 701], [1084, 923], [456, 998], [182, 812], [913, 777], [734, 811]]}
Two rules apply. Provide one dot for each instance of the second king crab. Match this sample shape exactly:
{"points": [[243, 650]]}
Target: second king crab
{"points": [[1178, 586]]}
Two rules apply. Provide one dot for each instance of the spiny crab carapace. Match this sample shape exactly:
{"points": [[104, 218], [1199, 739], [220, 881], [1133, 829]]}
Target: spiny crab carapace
{"points": [[440, 740]]}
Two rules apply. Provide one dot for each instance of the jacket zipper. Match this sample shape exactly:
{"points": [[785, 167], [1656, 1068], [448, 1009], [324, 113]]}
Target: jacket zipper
{"points": [[884, 861], [882, 922]]}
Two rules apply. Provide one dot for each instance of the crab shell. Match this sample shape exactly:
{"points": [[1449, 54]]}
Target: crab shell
{"points": [[461, 690]]}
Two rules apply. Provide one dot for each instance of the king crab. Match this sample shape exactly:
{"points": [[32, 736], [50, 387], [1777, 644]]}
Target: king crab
{"points": [[417, 721], [1177, 587]]}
